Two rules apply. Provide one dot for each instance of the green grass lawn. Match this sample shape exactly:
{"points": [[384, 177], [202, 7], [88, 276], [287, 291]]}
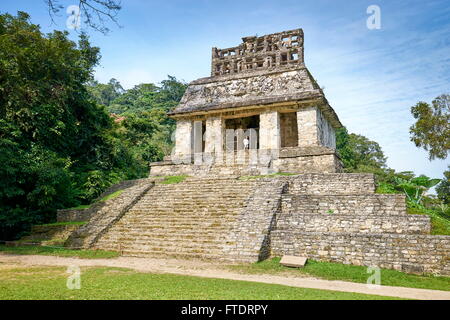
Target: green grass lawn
{"points": [[68, 223], [323, 270], [173, 179], [105, 198], [336, 271], [60, 252], [116, 283], [439, 224]]}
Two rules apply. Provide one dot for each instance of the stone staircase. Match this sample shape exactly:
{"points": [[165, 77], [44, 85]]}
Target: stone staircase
{"points": [[191, 219]]}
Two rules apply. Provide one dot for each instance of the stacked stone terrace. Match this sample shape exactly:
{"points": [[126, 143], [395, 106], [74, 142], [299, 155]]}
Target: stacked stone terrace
{"points": [[338, 217]]}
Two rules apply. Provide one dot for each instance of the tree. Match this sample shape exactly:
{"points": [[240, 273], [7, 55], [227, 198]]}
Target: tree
{"points": [[443, 189], [54, 139], [95, 12], [105, 94], [416, 187], [432, 128], [145, 96], [357, 152]]}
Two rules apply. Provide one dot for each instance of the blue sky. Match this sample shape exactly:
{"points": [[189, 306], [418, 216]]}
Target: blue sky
{"points": [[371, 77]]}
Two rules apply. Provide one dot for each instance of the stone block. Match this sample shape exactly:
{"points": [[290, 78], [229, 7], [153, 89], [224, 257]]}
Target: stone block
{"points": [[293, 261]]}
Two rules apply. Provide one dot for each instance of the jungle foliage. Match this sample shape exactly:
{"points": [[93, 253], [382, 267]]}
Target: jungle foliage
{"points": [[59, 145]]}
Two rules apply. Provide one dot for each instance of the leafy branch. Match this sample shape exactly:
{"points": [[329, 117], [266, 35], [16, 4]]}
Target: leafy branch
{"points": [[96, 13]]}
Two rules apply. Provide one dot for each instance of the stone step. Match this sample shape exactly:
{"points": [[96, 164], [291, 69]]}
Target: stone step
{"points": [[207, 256], [185, 223], [134, 232], [180, 208], [176, 214], [205, 225], [407, 224], [374, 204], [175, 245], [332, 183]]}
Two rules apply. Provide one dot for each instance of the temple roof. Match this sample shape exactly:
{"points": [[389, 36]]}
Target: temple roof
{"points": [[256, 78]]}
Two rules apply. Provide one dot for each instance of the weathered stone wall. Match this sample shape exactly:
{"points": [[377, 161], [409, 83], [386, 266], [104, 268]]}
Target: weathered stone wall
{"points": [[169, 169], [339, 218], [74, 215], [367, 204], [183, 145], [332, 184], [214, 136], [326, 132], [328, 163], [269, 130], [405, 252], [319, 164], [307, 127], [314, 129], [255, 162], [353, 223], [288, 129]]}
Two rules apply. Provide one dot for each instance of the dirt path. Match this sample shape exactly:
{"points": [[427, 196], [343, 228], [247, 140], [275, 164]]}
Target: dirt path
{"points": [[210, 270]]}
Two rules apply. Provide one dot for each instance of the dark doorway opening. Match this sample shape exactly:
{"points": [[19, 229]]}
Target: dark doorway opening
{"points": [[288, 129]]}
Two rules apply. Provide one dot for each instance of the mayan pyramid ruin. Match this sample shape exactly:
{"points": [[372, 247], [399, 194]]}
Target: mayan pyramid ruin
{"points": [[256, 143]]}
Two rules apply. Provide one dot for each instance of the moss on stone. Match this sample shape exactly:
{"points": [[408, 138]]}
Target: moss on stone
{"points": [[174, 179]]}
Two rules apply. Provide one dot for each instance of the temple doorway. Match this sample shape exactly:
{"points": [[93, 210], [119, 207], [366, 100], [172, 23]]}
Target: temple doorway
{"points": [[288, 129], [239, 129]]}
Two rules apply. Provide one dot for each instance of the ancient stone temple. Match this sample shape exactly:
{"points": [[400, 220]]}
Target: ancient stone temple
{"points": [[260, 92], [259, 112]]}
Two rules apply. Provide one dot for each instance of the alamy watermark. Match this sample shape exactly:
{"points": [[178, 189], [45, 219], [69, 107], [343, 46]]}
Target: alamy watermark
{"points": [[374, 20], [374, 280], [73, 22], [74, 279]]}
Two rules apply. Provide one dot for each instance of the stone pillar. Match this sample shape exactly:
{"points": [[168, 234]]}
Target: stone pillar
{"points": [[269, 130], [183, 136], [197, 142], [214, 138], [307, 127], [326, 132]]}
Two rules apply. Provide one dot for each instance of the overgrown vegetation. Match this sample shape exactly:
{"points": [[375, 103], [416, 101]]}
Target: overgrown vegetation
{"points": [[173, 179], [68, 223], [337, 271], [431, 131], [59, 145], [119, 283], [60, 252], [105, 198]]}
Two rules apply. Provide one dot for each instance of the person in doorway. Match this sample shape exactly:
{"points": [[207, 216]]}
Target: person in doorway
{"points": [[246, 143]]}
